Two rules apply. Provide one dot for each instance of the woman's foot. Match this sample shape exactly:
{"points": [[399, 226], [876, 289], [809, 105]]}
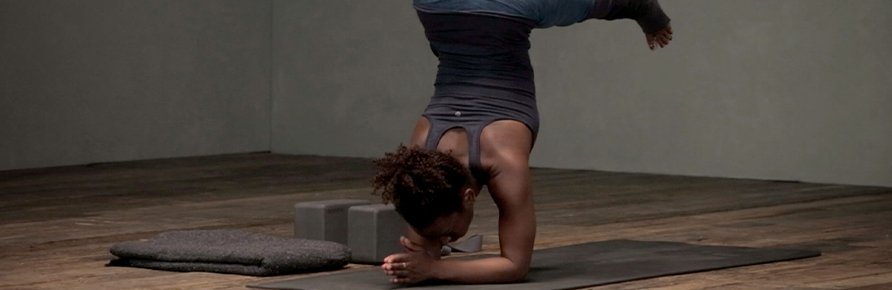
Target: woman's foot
{"points": [[662, 37]]}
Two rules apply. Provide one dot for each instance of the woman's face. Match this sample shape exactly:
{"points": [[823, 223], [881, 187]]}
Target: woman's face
{"points": [[449, 228]]}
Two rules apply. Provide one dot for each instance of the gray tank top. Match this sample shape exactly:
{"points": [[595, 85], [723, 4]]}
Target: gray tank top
{"points": [[484, 76], [485, 73]]}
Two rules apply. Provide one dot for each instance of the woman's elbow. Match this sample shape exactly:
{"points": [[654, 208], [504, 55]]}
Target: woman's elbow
{"points": [[518, 274]]}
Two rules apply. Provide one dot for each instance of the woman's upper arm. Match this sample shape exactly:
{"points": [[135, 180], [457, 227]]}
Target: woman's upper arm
{"points": [[512, 191]]}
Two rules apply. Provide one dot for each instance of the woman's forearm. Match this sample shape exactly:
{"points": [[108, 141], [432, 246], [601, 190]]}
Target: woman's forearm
{"points": [[479, 271]]}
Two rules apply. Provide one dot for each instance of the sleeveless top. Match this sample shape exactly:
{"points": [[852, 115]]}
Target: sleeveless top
{"points": [[484, 76], [485, 73]]}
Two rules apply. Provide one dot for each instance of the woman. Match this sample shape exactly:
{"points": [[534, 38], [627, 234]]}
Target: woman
{"points": [[479, 129]]}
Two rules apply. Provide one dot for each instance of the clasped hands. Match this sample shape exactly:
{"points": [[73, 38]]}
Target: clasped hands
{"points": [[413, 265]]}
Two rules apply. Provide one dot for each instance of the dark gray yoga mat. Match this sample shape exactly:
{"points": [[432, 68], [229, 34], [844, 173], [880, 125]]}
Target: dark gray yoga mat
{"points": [[582, 265]]}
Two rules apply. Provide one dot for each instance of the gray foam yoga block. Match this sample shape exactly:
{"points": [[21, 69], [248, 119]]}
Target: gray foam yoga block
{"points": [[324, 220], [375, 232]]}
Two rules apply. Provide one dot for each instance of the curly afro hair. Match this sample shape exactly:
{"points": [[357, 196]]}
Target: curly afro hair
{"points": [[422, 184]]}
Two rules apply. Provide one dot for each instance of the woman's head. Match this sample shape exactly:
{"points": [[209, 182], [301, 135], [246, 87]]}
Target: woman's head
{"points": [[431, 190]]}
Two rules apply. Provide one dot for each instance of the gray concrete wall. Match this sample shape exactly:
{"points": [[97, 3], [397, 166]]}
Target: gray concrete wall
{"points": [[790, 90], [107, 80], [349, 77], [793, 90]]}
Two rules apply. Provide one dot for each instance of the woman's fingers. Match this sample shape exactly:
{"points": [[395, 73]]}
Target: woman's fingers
{"points": [[396, 266], [399, 280], [403, 280], [410, 246], [397, 273], [408, 268], [391, 259]]}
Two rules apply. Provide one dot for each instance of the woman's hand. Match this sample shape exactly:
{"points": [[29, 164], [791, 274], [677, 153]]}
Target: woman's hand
{"points": [[662, 37], [412, 266]]}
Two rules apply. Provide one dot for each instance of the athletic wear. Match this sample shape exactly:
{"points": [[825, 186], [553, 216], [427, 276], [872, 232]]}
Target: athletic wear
{"points": [[548, 13], [485, 73], [544, 13]]}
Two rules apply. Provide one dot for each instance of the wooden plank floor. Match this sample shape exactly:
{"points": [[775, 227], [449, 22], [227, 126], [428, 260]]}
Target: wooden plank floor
{"points": [[57, 224]]}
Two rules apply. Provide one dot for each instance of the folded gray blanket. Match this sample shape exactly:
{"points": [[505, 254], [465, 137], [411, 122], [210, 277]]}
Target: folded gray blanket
{"points": [[230, 251]]}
